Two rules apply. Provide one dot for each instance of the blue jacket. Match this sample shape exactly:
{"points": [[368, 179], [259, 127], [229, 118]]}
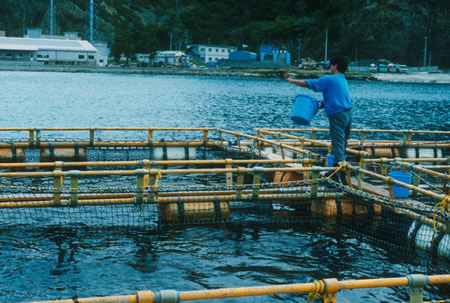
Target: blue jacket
{"points": [[334, 88]]}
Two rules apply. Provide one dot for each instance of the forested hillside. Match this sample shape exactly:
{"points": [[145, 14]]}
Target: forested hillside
{"points": [[390, 29]]}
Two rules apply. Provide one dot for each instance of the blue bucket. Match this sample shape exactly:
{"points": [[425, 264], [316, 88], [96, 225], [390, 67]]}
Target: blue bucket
{"points": [[400, 191], [330, 160], [304, 109]]}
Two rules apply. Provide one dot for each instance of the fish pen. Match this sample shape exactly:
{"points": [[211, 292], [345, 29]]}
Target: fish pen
{"points": [[396, 192]]}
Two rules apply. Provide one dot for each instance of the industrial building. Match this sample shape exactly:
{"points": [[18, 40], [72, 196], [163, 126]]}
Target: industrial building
{"points": [[34, 47], [206, 53]]}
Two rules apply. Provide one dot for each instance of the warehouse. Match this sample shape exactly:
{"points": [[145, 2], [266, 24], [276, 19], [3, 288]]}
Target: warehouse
{"points": [[67, 49]]}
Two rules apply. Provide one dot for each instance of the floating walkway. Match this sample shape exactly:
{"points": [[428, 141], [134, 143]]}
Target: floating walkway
{"points": [[154, 177]]}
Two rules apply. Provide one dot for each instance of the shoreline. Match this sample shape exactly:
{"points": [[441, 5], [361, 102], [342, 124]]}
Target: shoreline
{"points": [[411, 77]]}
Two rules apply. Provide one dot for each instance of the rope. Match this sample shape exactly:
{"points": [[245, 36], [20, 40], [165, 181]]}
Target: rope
{"points": [[331, 175], [441, 207], [316, 293]]}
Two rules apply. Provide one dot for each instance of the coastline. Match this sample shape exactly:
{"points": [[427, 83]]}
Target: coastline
{"points": [[411, 77]]}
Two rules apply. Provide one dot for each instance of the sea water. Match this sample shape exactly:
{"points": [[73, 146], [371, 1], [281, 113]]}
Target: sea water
{"points": [[52, 263]]}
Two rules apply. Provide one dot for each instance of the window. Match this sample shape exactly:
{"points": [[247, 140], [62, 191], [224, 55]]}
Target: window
{"points": [[229, 50], [31, 55], [101, 60], [20, 55], [223, 50], [210, 49], [202, 49], [8, 55], [210, 59], [217, 50], [39, 56], [80, 56], [91, 57]]}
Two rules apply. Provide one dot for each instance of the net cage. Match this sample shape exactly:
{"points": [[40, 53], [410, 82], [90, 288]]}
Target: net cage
{"points": [[147, 180]]}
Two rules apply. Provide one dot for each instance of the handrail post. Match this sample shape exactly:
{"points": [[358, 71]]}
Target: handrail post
{"points": [[146, 166], [91, 136], [229, 175], [239, 183], [38, 137], [153, 180], [416, 284], [31, 137], [315, 182], [150, 135], [257, 171], [205, 135], [330, 290], [74, 176], [140, 185], [57, 183]]}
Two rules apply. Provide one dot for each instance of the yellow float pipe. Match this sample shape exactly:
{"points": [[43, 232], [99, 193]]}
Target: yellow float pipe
{"points": [[223, 293], [154, 163], [358, 130], [245, 291], [423, 170], [389, 160]]}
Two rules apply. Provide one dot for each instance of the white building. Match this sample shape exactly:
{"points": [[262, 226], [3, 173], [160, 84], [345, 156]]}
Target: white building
{"points": [[170, 58], [209, 53], [143, 58], [68, 49]]}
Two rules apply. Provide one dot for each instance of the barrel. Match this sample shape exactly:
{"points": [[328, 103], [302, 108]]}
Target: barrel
{"points": [[286, 178], [186, 212], [304, 109], [344, 207], [51, 154], [12, 154]]}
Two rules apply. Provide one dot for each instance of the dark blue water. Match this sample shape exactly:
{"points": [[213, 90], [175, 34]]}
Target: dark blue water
{"points": [[52, 263]]}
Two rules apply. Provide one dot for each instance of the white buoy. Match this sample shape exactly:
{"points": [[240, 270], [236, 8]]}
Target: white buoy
{"points": [[423, 153], [174, 153], [424, 239]]}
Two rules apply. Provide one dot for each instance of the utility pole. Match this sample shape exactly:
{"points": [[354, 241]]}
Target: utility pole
{"points": [[299, 47], [170, 41], [326, 45], [425, 53], [187, 37], [52, 17], [356, 56], [91, 21]]}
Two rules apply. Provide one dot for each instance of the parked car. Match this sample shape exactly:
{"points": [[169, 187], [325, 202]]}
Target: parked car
{"points": [[373, 68], [402, 68], [382, 68]]}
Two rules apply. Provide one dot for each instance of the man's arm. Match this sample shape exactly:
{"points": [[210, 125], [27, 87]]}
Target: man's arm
{"points": [[301, 83]]}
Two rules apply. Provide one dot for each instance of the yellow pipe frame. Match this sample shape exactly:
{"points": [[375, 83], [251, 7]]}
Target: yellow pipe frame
{"points": [[328, 288]]}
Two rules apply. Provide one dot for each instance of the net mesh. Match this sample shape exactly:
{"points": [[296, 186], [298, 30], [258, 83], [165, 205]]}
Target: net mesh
{"points": [[109, 197]]}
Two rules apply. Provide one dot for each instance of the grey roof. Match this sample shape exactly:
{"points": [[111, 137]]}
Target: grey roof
{"points": [[35, 44]]}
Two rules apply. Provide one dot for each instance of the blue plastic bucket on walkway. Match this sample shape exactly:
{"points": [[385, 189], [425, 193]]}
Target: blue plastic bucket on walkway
{"points": [[304, 109], [400, 191], [330, 160]]}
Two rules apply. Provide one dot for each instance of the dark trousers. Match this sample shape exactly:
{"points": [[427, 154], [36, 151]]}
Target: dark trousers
{"points": [[340, 126]]}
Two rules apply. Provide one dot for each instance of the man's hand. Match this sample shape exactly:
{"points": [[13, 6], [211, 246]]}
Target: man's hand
{"points": [[283, 74]]}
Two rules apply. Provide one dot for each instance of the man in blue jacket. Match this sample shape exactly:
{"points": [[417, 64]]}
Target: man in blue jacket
{"points": [[337, 104]]}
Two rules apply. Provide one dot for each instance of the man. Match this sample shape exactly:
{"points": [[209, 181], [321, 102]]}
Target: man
{"points": [[337, 104]]}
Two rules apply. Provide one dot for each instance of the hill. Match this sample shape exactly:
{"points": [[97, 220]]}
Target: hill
{"points": [[390, 29]]}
